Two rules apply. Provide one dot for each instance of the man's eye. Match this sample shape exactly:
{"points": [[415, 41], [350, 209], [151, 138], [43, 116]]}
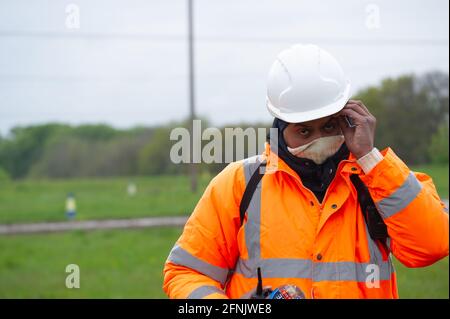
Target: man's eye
{"points": [[303, 132], [329, 127]]}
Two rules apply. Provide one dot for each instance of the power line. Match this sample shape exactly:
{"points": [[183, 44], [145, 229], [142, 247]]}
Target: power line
{"points": [[82, 78], [90, 35], [144, 80], [348, 41]]}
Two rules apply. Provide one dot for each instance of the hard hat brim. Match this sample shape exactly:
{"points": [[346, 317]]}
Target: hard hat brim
{"points": [[300, 117]]}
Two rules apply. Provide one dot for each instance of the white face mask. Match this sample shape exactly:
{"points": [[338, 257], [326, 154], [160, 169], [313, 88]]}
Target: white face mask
{"points": [[319, 149]]}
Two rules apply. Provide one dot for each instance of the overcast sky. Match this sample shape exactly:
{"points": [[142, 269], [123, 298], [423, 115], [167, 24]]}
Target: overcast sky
{"points": [[127, 63]]}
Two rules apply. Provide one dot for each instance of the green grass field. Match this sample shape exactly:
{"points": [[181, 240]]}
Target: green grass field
{"points": [[34, 201], [126, 263], [113, 264]]}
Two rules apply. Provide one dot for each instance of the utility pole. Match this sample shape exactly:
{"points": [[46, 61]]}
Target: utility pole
{"points": [[192, 167]]}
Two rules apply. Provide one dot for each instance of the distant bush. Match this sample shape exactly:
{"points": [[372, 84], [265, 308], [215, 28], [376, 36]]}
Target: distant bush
{"points": [[411, 112], [4, 177], [439, 147]]}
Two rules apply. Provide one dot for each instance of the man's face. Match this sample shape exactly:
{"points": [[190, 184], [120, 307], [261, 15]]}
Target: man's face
{"points": [[297, 134]]}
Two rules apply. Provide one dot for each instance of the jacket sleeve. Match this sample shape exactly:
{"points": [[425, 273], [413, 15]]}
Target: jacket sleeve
{"points": [[416, 218], [199, 263]]}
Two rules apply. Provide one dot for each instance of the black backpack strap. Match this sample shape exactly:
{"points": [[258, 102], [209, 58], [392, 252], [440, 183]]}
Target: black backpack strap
{"points": [[375, 224], [250, 190]]}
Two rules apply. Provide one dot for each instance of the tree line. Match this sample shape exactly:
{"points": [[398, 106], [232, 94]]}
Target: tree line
{"points": [[411, 111]]}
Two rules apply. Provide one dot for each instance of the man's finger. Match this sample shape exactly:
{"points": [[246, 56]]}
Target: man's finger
{"points": [[356, 117], [360, 105], [365, 108], [357, 108]]}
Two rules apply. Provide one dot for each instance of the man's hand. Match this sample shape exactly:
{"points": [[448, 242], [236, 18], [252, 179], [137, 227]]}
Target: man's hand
{"points": [[359, 139]]}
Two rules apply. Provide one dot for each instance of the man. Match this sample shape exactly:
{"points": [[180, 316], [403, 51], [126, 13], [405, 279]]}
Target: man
{"points": [[304, 224]]}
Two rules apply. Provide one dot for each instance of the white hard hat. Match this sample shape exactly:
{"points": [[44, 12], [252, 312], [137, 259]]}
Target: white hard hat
{"points": [[306, 83]]}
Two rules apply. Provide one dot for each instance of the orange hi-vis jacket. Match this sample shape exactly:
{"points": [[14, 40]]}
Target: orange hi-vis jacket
{"points": [[323, 248]]}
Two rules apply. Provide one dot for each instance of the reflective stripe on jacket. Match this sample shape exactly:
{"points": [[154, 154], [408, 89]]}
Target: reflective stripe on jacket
{"points": [[323, 248]]}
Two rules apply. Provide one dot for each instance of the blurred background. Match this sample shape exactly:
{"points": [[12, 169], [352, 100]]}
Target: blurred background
{"points": [[90, 91]]}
